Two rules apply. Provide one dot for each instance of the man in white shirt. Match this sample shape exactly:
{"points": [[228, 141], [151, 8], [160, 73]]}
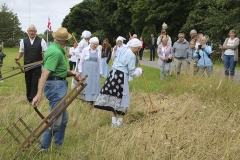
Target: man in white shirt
{"points": [[32, 49]]}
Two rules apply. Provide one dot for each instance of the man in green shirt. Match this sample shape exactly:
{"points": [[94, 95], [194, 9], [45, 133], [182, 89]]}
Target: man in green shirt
{"points": [[53, 82]]}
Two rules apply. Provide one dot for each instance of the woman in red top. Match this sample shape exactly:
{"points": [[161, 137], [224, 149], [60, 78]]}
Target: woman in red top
{"points": [[142, 49]]}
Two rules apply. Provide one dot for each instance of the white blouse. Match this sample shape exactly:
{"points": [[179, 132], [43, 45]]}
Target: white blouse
{"points": [[230, 43], [73, 56], [85, 56]]}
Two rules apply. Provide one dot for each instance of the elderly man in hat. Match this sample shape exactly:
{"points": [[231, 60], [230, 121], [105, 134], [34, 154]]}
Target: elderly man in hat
{"points": [[32, 49], [53, 81]]}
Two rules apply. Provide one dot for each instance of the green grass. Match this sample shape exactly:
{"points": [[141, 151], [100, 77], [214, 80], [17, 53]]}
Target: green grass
{"points": [[198, 119]]}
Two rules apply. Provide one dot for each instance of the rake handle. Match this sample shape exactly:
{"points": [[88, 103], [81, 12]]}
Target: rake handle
{"points": [[74, 38], [38, 112], [145, 83], [19, 66]]}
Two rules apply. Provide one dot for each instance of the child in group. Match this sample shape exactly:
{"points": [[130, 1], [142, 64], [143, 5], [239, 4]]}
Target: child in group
{"points": [[2, 55], [191, 61]]}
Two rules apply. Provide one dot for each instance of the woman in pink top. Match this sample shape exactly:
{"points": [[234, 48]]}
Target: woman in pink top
{"points": [[165, 57]]}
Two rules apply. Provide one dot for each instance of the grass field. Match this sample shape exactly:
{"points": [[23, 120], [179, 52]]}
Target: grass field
{"points": [[198, 118]]}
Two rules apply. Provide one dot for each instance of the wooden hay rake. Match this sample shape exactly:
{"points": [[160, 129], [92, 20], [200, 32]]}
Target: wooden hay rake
{"points": [[23, 69], [23, 137]]}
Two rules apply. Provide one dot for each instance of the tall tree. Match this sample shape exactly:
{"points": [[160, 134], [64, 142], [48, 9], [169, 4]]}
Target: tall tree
{"points": [[50, 37], [173, 12], [10, 30], [214, 19], [81, 17]]}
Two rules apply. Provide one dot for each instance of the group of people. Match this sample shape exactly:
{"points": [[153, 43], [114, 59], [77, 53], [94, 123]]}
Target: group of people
{"points": [[194, 57], [88, 58]]}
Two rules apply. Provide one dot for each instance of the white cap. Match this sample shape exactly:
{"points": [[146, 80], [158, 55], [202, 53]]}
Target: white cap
{"points": [[86, 34], [93, 39], [134, 43], [120, 38]]}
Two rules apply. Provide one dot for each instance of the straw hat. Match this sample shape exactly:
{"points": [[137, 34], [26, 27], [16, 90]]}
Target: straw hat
{"points": [[61, 34]]}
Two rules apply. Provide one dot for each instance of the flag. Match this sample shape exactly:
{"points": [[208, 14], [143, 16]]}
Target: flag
{"points": [[49, 24]]}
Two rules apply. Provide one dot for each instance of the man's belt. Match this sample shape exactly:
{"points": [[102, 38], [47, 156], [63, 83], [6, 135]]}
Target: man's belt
{"points": [[56, 78]]}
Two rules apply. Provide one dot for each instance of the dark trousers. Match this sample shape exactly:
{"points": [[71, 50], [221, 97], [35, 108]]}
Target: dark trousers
{"points": [[31, 79], [152, 53], [72, 65], [141, 53]]}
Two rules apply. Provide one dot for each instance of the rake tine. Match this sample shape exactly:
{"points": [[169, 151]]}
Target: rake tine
{"points": [[23, 68], [15, 138], [10, 128], [10, 76], [11, 143], [35, 132], [25, 125]]}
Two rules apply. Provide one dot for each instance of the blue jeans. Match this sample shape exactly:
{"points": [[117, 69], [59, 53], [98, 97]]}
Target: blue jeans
{"points": [[152, 53], [54, 91], [164, 66], [229, 63]]}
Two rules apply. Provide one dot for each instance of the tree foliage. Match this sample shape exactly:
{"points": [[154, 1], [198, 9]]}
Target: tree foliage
{"points": [[10, 30], [80, 18], [115, 18], [214, 19], [147, 31]]}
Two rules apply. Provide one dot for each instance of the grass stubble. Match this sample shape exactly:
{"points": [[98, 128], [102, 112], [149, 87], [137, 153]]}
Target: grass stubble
{"points": [[198, 119]]}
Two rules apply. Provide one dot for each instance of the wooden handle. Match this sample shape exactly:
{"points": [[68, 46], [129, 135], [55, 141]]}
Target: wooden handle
{"points": [[38, 112], [74, 38], [20, 66], [129, 34]]}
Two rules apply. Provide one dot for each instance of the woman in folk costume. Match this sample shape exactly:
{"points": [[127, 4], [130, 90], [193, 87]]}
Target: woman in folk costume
{"points": [[119, 45], [90, 64], [78, 51], [106, 56], [114, 95]]}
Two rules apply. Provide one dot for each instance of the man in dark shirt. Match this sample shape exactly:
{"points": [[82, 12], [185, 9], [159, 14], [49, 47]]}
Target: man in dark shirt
{"points": [[152, 45]]}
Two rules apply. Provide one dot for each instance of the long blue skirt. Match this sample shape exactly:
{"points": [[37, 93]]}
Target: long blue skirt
{"points": [[105, 67]]}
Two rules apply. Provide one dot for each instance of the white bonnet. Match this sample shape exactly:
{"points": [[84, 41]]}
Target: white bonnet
{"points": [[93, 39], [134, 43], [86, 34], [120, 38]]}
